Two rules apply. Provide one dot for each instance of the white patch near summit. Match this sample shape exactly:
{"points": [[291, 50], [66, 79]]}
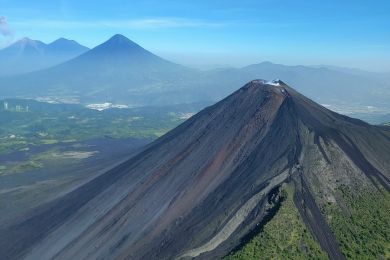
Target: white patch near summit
{"points": [[275, 82]]}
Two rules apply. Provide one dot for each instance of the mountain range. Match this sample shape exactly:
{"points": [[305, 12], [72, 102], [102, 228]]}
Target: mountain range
{"points": [[117, 70], [121, 71], [217, 185], [28, 55], [325, 85]]}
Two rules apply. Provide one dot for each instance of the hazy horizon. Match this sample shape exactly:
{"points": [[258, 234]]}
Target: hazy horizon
{"points": [[220, 34]]}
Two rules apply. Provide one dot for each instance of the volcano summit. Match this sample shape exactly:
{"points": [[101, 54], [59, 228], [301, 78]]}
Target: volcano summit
{"points": [[215, 184]]}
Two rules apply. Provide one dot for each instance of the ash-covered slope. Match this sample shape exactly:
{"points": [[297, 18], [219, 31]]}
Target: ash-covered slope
{"points": [[202, 188]]}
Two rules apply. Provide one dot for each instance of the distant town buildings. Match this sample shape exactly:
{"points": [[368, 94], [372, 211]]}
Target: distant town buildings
{"points": [[17, 108]]}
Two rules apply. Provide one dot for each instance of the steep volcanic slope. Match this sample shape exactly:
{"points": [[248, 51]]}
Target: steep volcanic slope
{"points": [[202, 188]]}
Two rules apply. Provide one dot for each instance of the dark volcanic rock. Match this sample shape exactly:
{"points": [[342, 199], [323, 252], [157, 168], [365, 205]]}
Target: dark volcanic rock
{"points": [[199, 190]]}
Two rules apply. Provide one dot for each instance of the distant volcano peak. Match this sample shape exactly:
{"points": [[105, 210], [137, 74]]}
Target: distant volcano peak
{"points": [[120, 44], [62, 40], [121, 40], [27, 41], [119, 37]]}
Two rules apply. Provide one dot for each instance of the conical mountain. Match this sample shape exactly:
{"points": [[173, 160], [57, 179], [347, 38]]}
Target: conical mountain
{"points": [[115, 69], [119, 50], [207, 188]]}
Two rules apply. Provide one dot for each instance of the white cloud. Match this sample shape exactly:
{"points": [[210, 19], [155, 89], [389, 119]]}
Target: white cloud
{"points": [[4, 28]]}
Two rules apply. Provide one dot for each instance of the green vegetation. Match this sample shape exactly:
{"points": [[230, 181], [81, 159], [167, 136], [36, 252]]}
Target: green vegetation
{"points": [[38, 123], [362, 225], [284, 237]]}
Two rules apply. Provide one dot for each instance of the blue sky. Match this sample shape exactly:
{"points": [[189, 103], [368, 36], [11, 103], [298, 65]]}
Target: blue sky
{"points": [[217, 33]]}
